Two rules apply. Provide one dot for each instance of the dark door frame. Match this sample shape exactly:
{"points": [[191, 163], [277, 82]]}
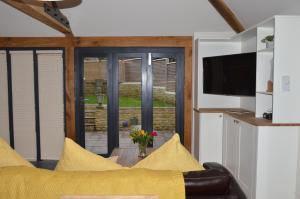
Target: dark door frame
{"points": [[113, 108]]}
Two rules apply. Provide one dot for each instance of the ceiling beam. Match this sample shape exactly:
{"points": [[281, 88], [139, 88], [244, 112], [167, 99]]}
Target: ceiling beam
{"points": [[37, 12], [228, 15]]}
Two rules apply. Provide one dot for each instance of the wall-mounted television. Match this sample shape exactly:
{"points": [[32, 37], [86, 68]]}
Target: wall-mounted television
{"points": [[230, 74]]}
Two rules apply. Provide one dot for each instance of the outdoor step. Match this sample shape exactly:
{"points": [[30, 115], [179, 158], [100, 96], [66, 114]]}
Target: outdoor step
{"points": [[89, 115], [90, 111]]}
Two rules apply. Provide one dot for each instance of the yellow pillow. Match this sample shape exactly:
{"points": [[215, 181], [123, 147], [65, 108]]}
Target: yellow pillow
{"points": [[76, 158], [9, 157], [170, 156]]}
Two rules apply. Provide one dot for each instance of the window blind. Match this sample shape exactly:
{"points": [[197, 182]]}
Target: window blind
{"points": [[51, 103], [23, 103], [4, 118]]}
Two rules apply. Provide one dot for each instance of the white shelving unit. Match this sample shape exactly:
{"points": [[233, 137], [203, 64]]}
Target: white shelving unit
{"points": [[256, 154], [281, 66], [264, 69]]}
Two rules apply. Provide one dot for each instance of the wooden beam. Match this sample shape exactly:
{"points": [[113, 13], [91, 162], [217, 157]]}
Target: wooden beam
{"points": [[70, 89], [37, 12], [228, 15]]}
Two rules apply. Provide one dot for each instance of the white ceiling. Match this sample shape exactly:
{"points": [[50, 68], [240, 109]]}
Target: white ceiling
{"points": [[251, 12], [145, 18], [17, 24]]}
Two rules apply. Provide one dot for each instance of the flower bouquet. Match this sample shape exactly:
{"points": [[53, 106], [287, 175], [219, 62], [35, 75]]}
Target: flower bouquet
{"points": [[143, 138]]}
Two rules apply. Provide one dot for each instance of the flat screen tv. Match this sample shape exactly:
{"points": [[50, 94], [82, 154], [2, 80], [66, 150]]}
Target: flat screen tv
{"points": [[230, 74]]}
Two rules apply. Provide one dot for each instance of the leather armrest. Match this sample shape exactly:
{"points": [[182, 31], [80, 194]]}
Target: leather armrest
{"points": [[207, 182], [217, 166]]}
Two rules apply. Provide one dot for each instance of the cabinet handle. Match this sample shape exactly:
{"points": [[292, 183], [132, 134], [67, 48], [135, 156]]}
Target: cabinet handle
{"points": [[220, 115]]}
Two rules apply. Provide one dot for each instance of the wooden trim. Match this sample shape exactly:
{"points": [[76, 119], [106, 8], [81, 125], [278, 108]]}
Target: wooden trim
{"points": [[228, 15], [38, 13], [188, 82], [132, 41], [36, 42], [243, 115], [70, 92], [69, 43]]}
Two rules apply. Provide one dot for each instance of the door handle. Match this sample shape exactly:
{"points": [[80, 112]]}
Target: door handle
{"points": [[149, 59]]}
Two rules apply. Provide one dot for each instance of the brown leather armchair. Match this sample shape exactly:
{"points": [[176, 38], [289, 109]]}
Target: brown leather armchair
{"points": [[216, 182]]}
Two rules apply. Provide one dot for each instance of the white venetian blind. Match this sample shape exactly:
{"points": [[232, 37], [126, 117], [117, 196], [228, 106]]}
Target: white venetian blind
{"points": [[4, 118], [23, 103], [51, 102]]}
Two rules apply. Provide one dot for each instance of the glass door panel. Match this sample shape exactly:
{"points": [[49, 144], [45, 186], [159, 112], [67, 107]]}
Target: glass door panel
{"points": [[118, 89], [164, 98], [95, 104], [130, 98]]}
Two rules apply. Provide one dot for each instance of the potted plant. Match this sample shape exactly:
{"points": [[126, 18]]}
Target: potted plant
{"points": [[269, 41], [143, 138]]}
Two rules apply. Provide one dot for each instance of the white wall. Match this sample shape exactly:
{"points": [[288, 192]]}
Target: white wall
{"points": [[4, 121], [208, 48], [248, 45], [294, 10], [298, 175], [214, 44]]}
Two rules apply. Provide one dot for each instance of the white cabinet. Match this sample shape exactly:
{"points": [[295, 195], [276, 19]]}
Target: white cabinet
{"points": [[230, 144], [262, 159], [211, 128], [247, 158], [239, 152]]}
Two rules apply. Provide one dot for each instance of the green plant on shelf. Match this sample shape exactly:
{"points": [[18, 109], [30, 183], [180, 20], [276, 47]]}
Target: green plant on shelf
{"points": [[269, 38]]}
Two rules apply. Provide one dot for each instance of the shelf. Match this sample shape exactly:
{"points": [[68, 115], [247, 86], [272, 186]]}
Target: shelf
{"points": [[265, 93], [266, 50]]}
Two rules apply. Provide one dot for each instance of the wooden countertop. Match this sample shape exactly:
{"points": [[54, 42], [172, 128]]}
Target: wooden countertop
{"points": [[243, 115]]}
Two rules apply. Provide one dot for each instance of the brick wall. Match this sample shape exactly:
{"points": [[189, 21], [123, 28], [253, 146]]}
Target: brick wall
{"points": [[159, 72], [163, 119], [95, 70], [89, 87], [130, 89], [171, 77]]}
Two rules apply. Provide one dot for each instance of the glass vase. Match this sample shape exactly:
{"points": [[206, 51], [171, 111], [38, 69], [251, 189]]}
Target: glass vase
{"points": [[142, 150]]}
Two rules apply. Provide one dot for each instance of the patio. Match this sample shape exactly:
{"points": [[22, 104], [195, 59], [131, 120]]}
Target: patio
{"points": [[97, 141]]}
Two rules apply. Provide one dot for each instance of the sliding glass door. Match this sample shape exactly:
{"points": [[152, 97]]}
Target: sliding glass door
{"points": [[118, 89]]}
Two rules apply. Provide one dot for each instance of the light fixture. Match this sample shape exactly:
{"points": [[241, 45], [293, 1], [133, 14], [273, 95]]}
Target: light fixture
{"points": [[61, 4]]}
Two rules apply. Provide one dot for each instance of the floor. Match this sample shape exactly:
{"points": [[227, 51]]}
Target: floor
{"points": [[97, 141]]}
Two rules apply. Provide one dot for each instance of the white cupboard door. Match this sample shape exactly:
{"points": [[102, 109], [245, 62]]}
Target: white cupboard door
{"points": [[211, 128], [232, 145], [247, 159]]}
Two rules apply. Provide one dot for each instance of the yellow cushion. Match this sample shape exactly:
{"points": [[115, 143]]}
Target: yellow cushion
{"points": [[76, 158], [9, 157], [31, 183], [170, 156]]}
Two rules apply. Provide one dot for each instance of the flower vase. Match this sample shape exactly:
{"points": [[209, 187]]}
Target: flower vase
{"points": [[142, 150]]}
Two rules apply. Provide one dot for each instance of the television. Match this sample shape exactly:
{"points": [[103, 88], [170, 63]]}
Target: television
{"points": [[230, 74]]}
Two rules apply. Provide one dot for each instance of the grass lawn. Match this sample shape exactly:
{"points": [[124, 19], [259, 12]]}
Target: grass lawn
{"points": [[127, 102]]}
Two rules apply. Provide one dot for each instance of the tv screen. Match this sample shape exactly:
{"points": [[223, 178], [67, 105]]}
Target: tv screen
{"points": [[230, 74]]}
